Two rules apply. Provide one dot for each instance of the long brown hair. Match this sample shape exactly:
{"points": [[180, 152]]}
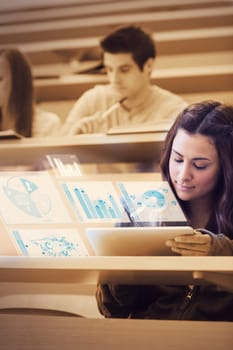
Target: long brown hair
{"points": [[215, 120], [19, 104]]}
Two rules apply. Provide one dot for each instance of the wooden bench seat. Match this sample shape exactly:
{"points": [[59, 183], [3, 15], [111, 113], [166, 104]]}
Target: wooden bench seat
{"points": [[68, 11], [162, 62], [92, 26], [178, 80], [168, 42]]}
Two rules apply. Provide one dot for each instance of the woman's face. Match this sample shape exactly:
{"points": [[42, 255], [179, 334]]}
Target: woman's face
{"points": [[4, 80], [194, 166]]}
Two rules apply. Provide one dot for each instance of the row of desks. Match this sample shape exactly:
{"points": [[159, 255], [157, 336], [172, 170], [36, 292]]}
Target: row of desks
{"points": [[64, 280], [179, 80], [98, 26], [41, 332], [175, 61], [173, 42], [206, 66], [65, 284], [37, 293], [92, 148], [70, 272], [97, 8]]}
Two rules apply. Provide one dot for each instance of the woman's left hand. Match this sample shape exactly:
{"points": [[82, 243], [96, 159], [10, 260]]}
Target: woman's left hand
{"points": [[198, 244]]}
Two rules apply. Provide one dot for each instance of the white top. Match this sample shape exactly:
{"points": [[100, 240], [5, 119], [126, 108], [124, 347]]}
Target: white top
{"points": [[45, 123], [160, 105]]}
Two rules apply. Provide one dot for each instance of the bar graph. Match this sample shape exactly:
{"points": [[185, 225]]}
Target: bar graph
{"points": [[102, 208], [94, 201]]}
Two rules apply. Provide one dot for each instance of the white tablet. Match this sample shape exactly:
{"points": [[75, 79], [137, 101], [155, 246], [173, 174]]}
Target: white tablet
{"points": [[134, 241]]}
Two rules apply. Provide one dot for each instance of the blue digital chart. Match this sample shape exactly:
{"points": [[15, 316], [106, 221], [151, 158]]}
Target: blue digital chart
{"points": [[49, 242], [95, 201], [28, 198], [150, 202]]}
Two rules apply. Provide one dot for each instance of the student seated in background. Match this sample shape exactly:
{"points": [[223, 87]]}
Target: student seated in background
{"points": [[129, 99], [198, 164], [17, 107]]}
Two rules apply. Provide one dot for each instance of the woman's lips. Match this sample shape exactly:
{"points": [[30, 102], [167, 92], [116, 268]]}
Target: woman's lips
{"points": [[184, 188]]}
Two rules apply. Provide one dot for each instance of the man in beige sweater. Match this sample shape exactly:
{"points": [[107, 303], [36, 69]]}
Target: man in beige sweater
{"points": [[129, 99]]}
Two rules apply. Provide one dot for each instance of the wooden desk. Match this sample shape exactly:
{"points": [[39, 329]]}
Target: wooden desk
{"points": [[68, 284], [65, 11], [179, 80], [124, 270], [90, 148], [167, 43], [40, 332], [91, 26], [194, 40], [182, 60]]}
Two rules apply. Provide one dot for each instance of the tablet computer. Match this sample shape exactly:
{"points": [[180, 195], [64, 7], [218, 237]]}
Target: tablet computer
{"points": [[134, 241]]}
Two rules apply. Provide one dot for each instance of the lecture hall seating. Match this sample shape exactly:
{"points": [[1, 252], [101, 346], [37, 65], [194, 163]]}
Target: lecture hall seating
{"points": [[179, 48], [195, 44], [91, 26]]}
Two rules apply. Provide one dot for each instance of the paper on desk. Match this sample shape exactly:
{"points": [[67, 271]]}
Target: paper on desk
{"points": [[142, 128]]}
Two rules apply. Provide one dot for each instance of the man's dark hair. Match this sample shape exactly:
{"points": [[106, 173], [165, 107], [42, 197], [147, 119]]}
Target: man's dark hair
{"points": [[130, 39]]}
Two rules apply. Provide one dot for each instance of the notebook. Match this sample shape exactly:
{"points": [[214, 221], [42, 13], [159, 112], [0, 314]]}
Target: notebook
{"points": [[143, 128]]}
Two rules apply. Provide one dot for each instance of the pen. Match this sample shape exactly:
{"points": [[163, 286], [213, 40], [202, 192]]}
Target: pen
{"points": [[112, 108]]}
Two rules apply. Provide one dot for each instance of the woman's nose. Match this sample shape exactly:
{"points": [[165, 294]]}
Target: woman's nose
{"points": [[185, 173]]}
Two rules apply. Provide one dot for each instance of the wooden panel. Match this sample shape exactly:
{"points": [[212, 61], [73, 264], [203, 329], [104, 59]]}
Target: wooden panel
{"points": [[41, 332], [168, 42], [162, 62], [178, 80], [68, 11], [69, 273], [92, 148], [22, 5], [86, 27]]}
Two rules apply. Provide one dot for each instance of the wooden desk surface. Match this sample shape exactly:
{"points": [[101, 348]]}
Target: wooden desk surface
{"points": [[181, 60], [91, 26], [90, 148], [41, 332], [99, 8], [179, 80], [69, 284], [128, 270], [167, 43]]}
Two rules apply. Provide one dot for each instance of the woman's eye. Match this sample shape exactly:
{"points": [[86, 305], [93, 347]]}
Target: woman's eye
{"points": [[200, 167], [178, 160]]}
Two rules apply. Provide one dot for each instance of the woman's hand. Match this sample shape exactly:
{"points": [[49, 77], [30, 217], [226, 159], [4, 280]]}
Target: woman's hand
{"points": [[198, 244]]}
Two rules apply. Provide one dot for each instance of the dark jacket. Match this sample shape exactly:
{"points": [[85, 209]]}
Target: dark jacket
{"points": [[202, 303]]}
